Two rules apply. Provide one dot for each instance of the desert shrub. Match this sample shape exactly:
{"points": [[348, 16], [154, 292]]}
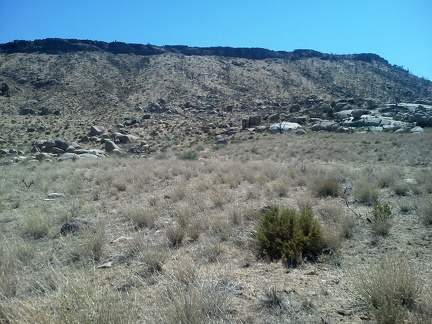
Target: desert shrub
{"points": [[366, 192], [336, 215], [194, 300], [326, 187], [272, 298], [85, 303], [8, 275], [175, 235], [88, 246], [188, 155], [37, 223], [390, 288], [140, 216], [401, 189], [381, 216], [287, 234], [385, 179], [425, 211]]}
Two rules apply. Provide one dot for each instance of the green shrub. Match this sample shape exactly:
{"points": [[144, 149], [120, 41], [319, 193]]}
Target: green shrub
{"points": [[286, 234], [188, 155], [382, 215]]}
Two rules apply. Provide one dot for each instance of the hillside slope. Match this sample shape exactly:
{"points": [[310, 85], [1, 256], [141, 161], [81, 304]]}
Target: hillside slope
{"points": [[76, 74]]}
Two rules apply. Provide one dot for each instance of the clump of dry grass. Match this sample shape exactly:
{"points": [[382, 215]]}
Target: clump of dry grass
{"points": [[175, 235], [324, 187], [336, 217], [88, 246], [390, 288], [140, 216], [425, 212], [37, 222], [365, 192], [192, 299], [272, 298]]}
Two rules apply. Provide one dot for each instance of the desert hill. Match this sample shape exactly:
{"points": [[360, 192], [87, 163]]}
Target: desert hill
{"points": [[82, 82], [98, 75]]}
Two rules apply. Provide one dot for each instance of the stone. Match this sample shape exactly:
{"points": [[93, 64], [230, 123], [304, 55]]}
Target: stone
{"points": [[126, 138], [298, 120], [221, 140], [111, 146], [27, 111], [245, 123], [255, 120], [61, 143], [68, 156], [372, 121], [417, 130], [96, 130], [283, 127], [75, 225], [55, 195], [88, 156], [357, 113], [274, 118], [301, 132]]}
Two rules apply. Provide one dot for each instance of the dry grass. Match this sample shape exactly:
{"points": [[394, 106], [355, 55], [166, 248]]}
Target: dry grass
{"points": [[177, 223], [390, 288]]}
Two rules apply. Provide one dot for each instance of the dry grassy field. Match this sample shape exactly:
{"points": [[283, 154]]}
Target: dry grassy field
{"points": [[175, 238]]}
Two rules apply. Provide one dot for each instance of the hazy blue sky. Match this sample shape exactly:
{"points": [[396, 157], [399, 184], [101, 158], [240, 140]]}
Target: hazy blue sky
{"points": [[398, 30]]}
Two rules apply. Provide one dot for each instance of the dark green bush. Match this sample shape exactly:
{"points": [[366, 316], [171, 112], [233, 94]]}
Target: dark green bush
{"points": [[286, 234], [188, 155]]}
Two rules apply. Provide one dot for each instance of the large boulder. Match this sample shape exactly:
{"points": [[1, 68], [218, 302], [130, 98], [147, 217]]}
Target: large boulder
{"points": [[96, 130], [325, 125], [255, 120], [61, 143], [110, 146], [283, 127]]}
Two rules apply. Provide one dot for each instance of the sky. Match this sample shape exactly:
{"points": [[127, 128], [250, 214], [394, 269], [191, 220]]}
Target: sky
{"points": [[400, 31]]}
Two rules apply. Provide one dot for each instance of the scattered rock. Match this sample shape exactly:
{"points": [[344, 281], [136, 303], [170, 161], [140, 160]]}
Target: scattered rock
{"points": [[55, 195], [110, 146], [75, 225], [96, 130], [283, 127]]}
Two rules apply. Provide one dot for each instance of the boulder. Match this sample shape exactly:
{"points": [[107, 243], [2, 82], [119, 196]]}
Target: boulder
{"points": [[245, 123], [417, 130], [61, 143], [372, 121], [300, 132], [68, 156], [283, 127], [357, 113], [125, 138], [96, 130], [27, 111], [45, 111], [110, 146], [325, 125], [255, 120]]}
